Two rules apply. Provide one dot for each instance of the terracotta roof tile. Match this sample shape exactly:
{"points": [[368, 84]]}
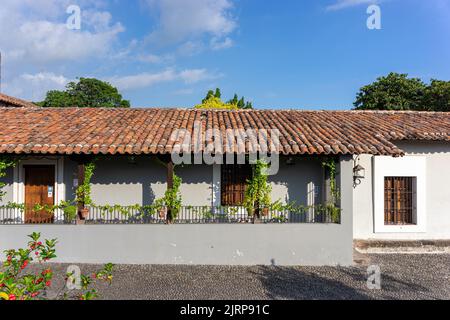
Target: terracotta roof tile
{"points": [[8, 101], [150, 131]]}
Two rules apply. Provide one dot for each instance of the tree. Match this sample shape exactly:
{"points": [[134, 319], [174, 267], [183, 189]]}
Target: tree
{"points": [[88, 93], [393, 92], [213, 100], [437, 96]]}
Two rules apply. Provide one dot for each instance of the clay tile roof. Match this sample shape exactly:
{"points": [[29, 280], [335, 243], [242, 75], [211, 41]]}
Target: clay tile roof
{"points": [[154, 131], [7, 101]]}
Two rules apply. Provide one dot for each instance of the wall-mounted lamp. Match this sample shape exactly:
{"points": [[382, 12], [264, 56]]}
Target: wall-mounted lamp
{"points": [[359, 173], [132, 160], [290, 161]]}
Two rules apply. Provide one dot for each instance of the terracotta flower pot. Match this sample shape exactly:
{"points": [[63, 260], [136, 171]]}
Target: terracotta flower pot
{"points": [[162, 213], [84, 213]]}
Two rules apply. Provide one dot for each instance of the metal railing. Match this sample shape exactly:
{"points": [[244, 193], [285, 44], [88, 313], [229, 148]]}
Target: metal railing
{"points": [[18, 215], [205, 215], [186, 215]]}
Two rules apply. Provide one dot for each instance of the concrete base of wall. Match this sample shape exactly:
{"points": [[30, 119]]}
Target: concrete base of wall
{"points": [[296, 244], [402, 247]]}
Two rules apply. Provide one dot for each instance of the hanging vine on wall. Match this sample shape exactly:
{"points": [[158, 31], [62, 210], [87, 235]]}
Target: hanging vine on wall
{"points": [[330, 164], [331, 207], [258, 189], [172, 198], [5, 163], [83, 193]]}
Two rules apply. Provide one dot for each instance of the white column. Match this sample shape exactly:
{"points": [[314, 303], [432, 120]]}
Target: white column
{"points": [[216, 186]]}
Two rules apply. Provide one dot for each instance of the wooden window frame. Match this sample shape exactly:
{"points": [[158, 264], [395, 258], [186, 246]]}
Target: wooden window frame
{"points": [[400, 199], [234, 183]]}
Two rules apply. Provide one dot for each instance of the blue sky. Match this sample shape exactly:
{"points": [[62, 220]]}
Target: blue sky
{"points": [[279, 54]]}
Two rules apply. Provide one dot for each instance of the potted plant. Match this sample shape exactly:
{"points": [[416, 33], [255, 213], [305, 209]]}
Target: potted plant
{"points": [[84, 213], [171, 201], [70, 211], [162, 213]]}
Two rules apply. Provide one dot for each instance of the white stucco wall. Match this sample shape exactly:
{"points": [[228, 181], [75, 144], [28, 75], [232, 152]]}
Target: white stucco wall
{"points": [[238, 244], [8, 188], [437, 197], [116, 181], [300, 181]]}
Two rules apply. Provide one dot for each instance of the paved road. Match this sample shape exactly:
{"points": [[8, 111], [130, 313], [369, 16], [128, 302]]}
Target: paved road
{"points": [[403, 277]]}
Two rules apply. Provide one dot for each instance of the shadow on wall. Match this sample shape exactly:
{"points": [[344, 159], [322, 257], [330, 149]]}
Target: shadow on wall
{"points": [[143, 173], [329, 283], [148, 176], [295, 178]]}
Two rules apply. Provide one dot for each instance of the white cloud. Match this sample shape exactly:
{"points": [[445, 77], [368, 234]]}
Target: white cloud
{"points": [[146, 79], [35, 31], [342, 4], [181, 20], [34, 86], [217, 44], [195, 75]]}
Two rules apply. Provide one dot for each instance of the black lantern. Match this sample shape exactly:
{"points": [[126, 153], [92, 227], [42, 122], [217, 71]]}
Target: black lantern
{"points": [[359, 173]]}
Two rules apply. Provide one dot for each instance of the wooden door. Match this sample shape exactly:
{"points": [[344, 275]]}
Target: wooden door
{"points": [[39, 189]]}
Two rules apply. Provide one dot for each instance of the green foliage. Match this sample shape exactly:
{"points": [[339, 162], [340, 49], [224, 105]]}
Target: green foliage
{"points": [[215, 103], [398, 92], [172, 198], [240, 103], [437, 96], [213, 100], [5, 163], [86, 93], [331, 208], [83, 193], [16, 284], [70, 210], [257, 194], [393, 92], [330, 164]]}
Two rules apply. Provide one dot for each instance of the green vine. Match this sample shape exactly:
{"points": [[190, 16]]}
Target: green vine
{"points": [[172, 198], [83, 193], [69, 209], [258, 190], [331, 207], [5, 163]]}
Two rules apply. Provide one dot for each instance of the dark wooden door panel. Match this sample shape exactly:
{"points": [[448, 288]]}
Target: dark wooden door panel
{"points": [[39, 189]]}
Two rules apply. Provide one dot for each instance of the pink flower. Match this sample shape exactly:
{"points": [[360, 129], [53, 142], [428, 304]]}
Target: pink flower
{"points": [[24, 265]]}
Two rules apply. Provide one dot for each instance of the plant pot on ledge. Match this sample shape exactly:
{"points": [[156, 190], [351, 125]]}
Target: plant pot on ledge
{"points": [[84, 213], [162, 213]]}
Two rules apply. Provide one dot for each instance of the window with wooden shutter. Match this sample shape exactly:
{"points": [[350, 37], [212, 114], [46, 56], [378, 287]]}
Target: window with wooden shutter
{"points": [[234, 183], [399, 200]]}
